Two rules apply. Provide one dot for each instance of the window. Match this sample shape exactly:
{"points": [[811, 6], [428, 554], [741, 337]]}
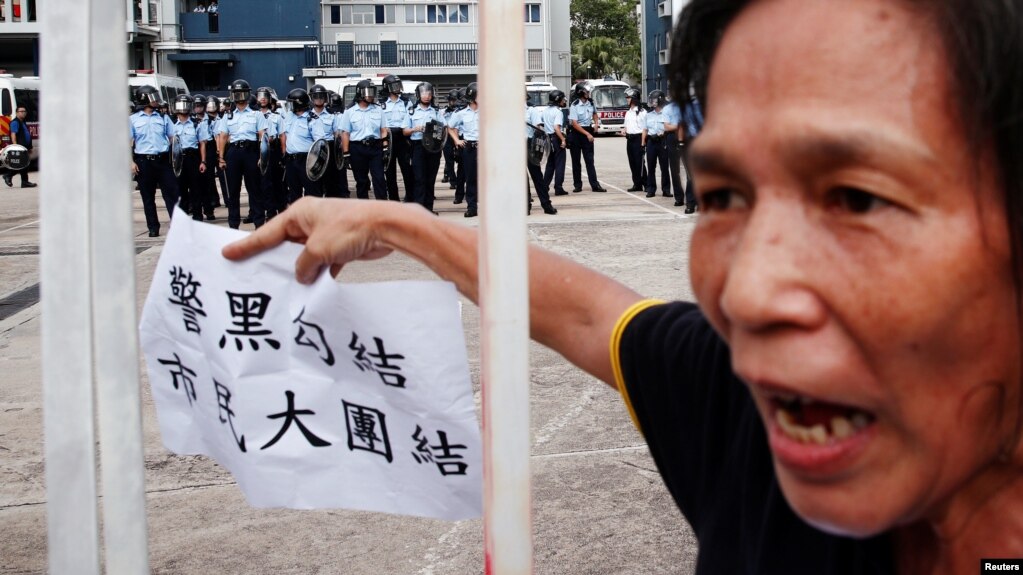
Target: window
{"points": [[363, 14], [437, 14], [458, 14], [534, 59], [335, 14], [532, 13], [384, 14], [431, 14]]}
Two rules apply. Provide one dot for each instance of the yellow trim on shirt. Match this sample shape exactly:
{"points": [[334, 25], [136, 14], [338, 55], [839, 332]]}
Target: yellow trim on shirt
{"points": [[616, 341]]}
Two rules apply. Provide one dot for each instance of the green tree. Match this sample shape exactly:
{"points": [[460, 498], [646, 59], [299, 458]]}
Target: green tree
{"points": [[605, 38]]}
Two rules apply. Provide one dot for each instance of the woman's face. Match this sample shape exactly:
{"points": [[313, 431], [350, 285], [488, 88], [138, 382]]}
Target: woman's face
{"points": [[853, 250]]}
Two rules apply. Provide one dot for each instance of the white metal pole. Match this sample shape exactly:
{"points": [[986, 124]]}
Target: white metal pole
{"points": [[66, 288], [115, 327], [504, 296]]}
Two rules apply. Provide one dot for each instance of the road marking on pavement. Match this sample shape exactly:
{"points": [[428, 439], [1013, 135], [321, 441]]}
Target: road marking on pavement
{"points": [[590, 452], [16, 227], [652, 218], [642, 199]]}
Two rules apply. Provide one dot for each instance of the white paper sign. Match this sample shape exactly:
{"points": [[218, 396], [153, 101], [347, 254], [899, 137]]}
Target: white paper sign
{"points": [[321, 396]]}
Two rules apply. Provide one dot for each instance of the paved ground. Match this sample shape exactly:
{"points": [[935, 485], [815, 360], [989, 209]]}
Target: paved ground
{"points": [[598, 503]]}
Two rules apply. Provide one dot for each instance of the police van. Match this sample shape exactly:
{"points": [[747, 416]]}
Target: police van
{"points": [[14, 93], [538, 92], [169, 87], [608, 97]]}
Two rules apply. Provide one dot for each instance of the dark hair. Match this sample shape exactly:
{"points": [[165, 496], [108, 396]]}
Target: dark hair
{"points": [[983, 41]]}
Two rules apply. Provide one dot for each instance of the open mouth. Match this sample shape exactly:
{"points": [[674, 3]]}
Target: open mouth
{"points": [[809, 421]]}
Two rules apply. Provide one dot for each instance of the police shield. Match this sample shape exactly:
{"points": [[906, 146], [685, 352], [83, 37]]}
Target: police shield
{"points": [[388, 152], [264, 154], [318, 159], [435, 135], [538, 146], [177, 156], [14, 157]]}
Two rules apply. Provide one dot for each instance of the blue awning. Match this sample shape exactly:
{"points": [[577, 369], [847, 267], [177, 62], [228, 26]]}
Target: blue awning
{"points": [[201, 57]]}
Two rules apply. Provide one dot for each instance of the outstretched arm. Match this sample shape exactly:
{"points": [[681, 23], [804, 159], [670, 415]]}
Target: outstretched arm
{"points": [[573, 309]]}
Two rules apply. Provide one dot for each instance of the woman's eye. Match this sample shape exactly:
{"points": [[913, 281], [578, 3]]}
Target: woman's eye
{"points": [[721, 199], [854, 200]]}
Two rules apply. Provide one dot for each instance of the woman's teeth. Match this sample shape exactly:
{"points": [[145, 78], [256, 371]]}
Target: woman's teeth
{"points": [[838, 428]]}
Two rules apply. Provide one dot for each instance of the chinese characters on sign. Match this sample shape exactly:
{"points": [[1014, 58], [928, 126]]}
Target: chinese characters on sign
{"points": [[244, 367]]}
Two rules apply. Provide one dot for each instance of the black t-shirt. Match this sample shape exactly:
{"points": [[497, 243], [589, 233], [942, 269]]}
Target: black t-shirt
{"points": [[710, 446]]}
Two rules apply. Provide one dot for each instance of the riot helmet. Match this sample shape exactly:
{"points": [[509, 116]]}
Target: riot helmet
{"points": [[299, 99], [424, 93], [453, 97], [213, 105], [199, 103], [365, 91], [147, 96], [555, 97], [183, 104], [471, 91], [582, 89], [656, 98], [336, 103], [240, 91], [268, 93], [633, 94], [164, 107], [318, 94], [392, 85]]}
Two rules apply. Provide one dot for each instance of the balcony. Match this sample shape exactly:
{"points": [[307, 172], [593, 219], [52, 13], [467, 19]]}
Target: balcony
{"points": [[199, 27], [390, 55]]}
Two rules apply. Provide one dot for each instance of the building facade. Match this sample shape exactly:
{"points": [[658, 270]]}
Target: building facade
{"points": [[657, 20], [19, 38], [435, 41]]}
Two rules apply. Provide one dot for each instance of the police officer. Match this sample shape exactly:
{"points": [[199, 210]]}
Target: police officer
{"points": [[534, 117], [653, 140], [150, 139], [191, 136], [214, 173], [459, 182], [552, 122], [297, 137], [334, 183], [583, 120], [449, 144], [363, 135], [210, 199], [468, 122], [238, 143], [672, 117], [632, 129], [396, 114], [424, 162], [692, 123], [274, 194]]}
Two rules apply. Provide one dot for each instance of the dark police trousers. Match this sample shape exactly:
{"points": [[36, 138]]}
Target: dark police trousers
{"points": [[212, 176], [533, 173], [156, 169], [367, 160], [299, 183], [425, 165], [449, 160], [191, 185], [243, 162], [275, 195], [469, 155], [690, 192], [584, 146], [401, 157], [634, 151], [656, 153], [674, 154], [555, 168]]}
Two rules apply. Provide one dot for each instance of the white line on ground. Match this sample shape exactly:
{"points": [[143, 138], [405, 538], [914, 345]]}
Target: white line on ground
{"points": [[21, 226], [590, 452], [643, 199]]}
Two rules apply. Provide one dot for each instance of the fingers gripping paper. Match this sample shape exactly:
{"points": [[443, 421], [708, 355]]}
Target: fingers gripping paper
{"points": [[321, 396]]}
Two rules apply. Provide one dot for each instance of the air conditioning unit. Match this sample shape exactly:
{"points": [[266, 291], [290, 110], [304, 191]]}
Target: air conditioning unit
{"points": [[664, 9], [663, 57]]}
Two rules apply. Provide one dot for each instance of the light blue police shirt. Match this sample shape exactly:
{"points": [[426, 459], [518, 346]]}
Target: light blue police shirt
{"points": [[328, 120], [655, 123], [529, 131], [468, 123], [361, 123], [150, 132], [302, 130], [396, 112], [241, 126], [205, 134], [270, 123], [581, 112], [671, 114], [188, 133], [420, 116], [552, 116]]}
